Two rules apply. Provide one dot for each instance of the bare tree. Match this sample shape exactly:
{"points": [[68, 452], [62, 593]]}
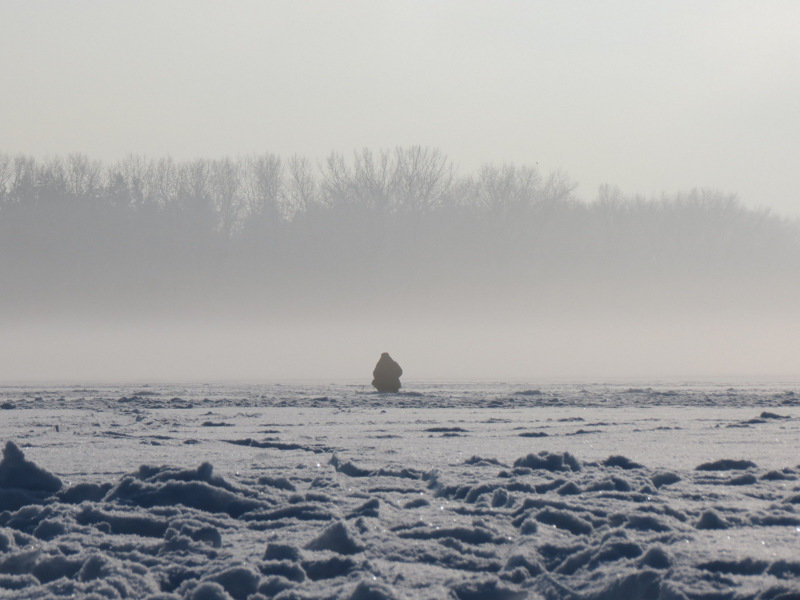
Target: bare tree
{"points": [[23, 179], [193, 180], [133, 173], [194, 210], [50, 179], [262, 188], [301, 192], [507, 189], [371, 180], [224, 183], [5, 178], [162, 182], [422, 178], [336, 181], [82, 176], [558, 187]]}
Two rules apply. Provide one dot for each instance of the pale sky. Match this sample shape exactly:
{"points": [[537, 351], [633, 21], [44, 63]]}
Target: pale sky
{"points": [[651, 96]]}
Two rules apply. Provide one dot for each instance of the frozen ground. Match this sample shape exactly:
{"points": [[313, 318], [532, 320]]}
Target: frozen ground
{"points": [[444, 491]]}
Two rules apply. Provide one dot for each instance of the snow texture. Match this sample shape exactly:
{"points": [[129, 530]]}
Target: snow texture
{"points": [[406, 516]]}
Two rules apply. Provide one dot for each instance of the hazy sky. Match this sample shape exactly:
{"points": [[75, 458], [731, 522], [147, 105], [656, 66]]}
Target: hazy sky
{"points": [[648, 95]]}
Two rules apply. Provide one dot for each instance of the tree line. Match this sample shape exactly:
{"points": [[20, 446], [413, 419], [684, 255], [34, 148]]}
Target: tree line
{"points": [[371, 220], [228, 195]]}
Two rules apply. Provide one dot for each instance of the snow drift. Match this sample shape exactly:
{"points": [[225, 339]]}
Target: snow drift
{"points": [[547, 526]]}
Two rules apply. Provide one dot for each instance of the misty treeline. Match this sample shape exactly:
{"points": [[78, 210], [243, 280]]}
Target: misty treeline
{"points": [[389, 223]]}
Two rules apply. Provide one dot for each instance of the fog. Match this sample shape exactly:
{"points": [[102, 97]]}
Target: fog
{"points": [[284, 190], [265, 267], [590, 350], [651, 96]]}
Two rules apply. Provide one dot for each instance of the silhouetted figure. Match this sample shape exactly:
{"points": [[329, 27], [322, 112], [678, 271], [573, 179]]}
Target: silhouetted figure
{"points": [[387, 374]]}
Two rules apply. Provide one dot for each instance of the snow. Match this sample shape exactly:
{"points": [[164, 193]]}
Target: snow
{"points": [[332, 491]]}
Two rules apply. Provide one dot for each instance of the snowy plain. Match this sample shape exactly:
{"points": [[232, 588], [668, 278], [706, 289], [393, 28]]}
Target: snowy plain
{"points": [[463, 491]]}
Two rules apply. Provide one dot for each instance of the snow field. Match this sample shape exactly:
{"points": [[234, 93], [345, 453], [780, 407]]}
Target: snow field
{"points": [[141, 501]]}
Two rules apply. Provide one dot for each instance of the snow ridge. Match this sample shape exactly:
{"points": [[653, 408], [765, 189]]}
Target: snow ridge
{"points": [[550, 526]]}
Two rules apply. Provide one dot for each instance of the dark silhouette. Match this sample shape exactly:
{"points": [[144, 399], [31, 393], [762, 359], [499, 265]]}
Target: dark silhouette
{"points": [[387, 374]]}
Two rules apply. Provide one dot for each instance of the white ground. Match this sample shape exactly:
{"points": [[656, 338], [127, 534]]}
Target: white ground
{"points": [[407, 510]]}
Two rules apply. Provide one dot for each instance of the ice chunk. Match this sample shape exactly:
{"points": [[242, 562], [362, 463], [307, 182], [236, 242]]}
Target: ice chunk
{"points": [[725, 464], [209, 590], [564, 520], [623, 462], [549, 462], [367, 590], [336, 538], [666, 478], [16, 472], [656, 558], [238, 581], [711, 520]]}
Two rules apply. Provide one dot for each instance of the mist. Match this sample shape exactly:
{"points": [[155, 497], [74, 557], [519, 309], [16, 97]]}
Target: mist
{"points": [[407, 299], [264, 267]]}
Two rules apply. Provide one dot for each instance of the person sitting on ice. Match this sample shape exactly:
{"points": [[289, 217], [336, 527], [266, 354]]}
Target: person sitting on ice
{"points": [[386, 376]]}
